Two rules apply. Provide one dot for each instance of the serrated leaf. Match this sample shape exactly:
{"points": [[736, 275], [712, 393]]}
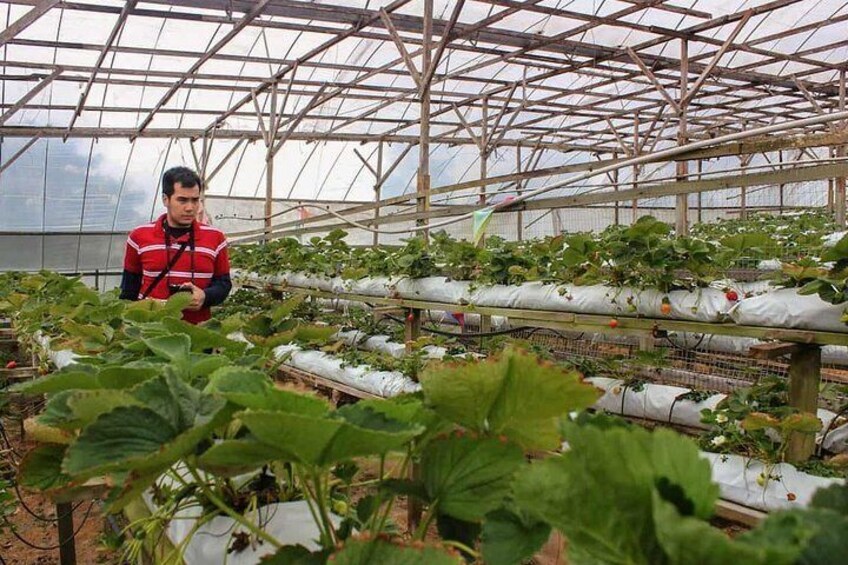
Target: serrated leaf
{"points": [[41, 470], [174, 348], [254, 389], [468, 477], [323, 440], [381, 552], [513, 394], [600, 492], [201, 338], [509, 538], [236, 456], [57, 382]]}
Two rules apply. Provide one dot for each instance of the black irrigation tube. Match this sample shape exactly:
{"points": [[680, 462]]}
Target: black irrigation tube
{"points": [[466, 335], [61, 543], [38, 516]]}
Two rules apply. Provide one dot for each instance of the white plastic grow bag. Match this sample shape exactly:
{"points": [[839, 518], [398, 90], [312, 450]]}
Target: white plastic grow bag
{"points": [[61, 358], [433, 289], [831, 354], [737, 480], [662, 403], [654, 402], [381, 383], [291, 523], [785, 308]]}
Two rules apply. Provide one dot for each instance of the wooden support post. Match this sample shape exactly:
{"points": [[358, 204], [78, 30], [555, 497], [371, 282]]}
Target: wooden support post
{"points": [[519, 222], [682, 206], [780, 186], [423, 177], [484, 159], [378, 187], [269, 164], [615, 188], [412, 330], [743, 190], [635, 170], [839, 194], [65, 525], [700, 194], [804, 380]]}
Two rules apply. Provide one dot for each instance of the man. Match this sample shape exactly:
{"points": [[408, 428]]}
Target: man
{"points": [[176, 253]]}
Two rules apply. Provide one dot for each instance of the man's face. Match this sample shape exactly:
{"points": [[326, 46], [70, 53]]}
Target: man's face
{"points": [[183, 205]]}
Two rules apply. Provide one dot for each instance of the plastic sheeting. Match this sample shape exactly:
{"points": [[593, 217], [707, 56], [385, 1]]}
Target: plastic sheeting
{"points": [[785, 308], [737, 480], [380, 383], [662, 403], [60, 358], [831, 354], [291, 523]]}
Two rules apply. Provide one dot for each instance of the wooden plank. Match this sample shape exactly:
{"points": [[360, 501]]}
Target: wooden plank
{"points": [[804, 381], [773, 350], [734, 512], [320, 381]]}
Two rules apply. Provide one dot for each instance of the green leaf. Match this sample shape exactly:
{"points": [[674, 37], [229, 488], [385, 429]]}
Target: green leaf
{"points": [[118, 439], [600, 492], [88, 405], [204, 365], [801, 423], [286, 309], [175, 347], [838, 252], [381, 552], [236, 456], [405, 487], [468, 477], [131, 438], [834, 497], [254, 389], [57, 413], [314, 334], [513, 394], [759, 421], [201, 338], [56, 382], [41, 469], [510, 538], [685, 539], [294, 555], [125, 377], [323, 440]]}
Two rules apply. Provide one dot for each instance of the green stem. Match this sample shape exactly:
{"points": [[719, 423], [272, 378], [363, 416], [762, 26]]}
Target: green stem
{"points": [[321, 499], [462, 547], [421, 532], [309, 498], [385, 517], [213, 498]]}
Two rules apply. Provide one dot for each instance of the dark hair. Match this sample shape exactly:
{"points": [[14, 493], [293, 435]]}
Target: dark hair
{"points": [[183, 175]]}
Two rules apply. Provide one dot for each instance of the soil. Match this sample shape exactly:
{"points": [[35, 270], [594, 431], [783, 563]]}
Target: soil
{"points": [[89, 521]]}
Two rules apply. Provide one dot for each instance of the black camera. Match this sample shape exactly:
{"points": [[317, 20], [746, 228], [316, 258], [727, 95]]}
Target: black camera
{"points": [[175, 288]]}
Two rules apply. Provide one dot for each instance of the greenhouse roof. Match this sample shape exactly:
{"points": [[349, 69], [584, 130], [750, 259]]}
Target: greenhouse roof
{"points": [[100, 96]]}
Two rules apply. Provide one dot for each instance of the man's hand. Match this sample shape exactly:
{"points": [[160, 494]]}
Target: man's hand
{"points": [[197, 297]]}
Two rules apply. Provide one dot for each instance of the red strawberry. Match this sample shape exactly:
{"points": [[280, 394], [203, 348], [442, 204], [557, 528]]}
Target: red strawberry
{"points": [[731, 295], [410, 317], [613, 323], [11, 364]]}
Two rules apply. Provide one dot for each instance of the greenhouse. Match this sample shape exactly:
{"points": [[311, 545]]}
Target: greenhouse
{"points": [[423, 282]]}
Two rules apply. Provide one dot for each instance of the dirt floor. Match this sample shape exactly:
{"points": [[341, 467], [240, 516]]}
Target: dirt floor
{"points": [[89, 524]]}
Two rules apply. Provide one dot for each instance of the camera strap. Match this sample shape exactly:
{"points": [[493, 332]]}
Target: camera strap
{"points": [[167, 270]]}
